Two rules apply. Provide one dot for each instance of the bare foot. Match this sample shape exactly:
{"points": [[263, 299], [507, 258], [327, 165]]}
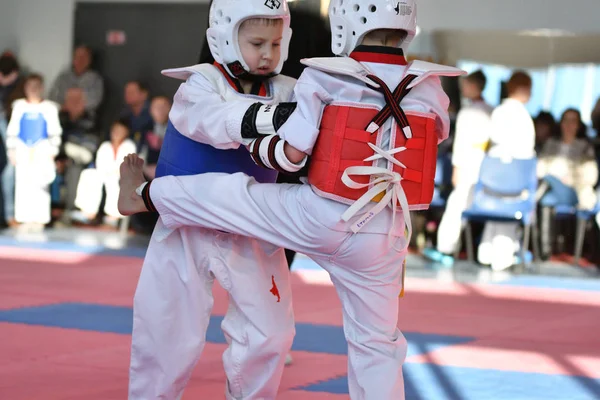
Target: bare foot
{"points": [[132, 177]]}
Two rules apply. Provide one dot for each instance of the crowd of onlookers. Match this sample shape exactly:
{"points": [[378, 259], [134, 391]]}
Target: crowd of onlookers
{"points": [[567, 167], [55, 156]]}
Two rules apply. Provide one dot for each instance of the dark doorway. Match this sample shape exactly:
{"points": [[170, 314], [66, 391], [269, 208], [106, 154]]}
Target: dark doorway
{"points": [[135, 41]]}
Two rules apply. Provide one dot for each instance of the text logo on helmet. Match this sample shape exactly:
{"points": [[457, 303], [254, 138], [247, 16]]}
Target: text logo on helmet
{"points": [[273, 4], [403, 9]]}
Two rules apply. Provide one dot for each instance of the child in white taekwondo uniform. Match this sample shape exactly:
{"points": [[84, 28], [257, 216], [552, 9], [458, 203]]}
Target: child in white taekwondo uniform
{"points": [[371, 122], [173, 301], [473, 129], [33, 139], [512, 136]]}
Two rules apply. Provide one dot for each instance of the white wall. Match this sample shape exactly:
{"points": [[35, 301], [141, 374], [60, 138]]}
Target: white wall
{"points": [[578, 16], [44, 31], [8, 39], [516, 50]]}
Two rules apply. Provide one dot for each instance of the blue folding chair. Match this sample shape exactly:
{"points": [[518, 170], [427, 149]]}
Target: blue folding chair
{"points": [[505, 192]]}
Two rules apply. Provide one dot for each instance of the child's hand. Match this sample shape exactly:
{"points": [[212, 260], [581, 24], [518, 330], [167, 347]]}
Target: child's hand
{"points": [[294, 155]]}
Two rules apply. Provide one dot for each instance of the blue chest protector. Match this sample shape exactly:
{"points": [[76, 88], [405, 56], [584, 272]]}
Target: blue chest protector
{"points": [[180, 155], [33, 128]]}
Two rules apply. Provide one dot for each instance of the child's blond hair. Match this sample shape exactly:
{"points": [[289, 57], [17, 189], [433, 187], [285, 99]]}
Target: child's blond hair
{"points": [[263, 21]]}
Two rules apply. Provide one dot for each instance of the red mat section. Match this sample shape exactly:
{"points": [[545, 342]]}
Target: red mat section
{"points": [[528, 330], [95, 279]]}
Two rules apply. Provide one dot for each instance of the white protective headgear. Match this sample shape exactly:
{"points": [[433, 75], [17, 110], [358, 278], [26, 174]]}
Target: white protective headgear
{"points": [[351, 20], [225, 19]]}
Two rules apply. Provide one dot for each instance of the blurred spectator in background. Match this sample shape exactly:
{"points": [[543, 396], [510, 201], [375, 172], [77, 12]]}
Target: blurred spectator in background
{"points": [[33, 140], [79, 145], [106, 175], [137, 112], [79, 75], [596, 118], [159, 110], [567, 164], [11, 88], [512, 136], [545, 128], [469, 148]]}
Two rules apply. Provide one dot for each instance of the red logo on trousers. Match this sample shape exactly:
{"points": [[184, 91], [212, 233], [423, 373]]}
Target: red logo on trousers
{"points": [[274, 290]]}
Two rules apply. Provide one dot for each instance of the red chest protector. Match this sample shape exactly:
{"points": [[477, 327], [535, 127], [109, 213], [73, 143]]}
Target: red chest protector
{"points": [[343, 142], [352, 164]]}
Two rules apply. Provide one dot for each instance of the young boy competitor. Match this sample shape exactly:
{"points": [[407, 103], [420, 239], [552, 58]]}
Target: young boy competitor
{"points": [[173, 301]]}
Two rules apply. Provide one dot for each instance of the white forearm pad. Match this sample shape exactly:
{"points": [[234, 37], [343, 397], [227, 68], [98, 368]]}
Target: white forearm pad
{"points": [[284, 162], [268, 152], [259, 150]]}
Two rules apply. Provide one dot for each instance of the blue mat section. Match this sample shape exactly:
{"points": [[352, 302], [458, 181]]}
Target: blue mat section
{"points": [[434, 382], [73, 248], [112, 319], [552, 282], [422, 381], [86, 317]]}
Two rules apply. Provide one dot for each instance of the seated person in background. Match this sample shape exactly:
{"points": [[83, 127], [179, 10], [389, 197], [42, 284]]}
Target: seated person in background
{"points": [[471, 139], [596, 118], [80, 75], [567, 164], [159, 110], [137, 112], [106, 174], [512, 136], [79, 144]]}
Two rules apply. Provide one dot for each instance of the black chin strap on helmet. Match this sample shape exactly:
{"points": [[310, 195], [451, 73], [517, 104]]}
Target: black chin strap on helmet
{"points": [[240, 72]]}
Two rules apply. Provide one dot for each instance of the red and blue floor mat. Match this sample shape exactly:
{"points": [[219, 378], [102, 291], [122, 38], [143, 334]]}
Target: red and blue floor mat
{"points": [[65, 325]]}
